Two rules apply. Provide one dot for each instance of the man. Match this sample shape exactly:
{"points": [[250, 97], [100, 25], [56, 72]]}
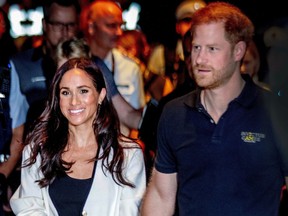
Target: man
{"points": [[10, 129], [222, 156], [104, 29], [163, 56], [35, 68], [184, 13]]}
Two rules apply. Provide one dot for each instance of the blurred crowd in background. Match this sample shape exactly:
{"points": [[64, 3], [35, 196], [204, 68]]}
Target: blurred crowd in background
{"points": [[156, 19]]}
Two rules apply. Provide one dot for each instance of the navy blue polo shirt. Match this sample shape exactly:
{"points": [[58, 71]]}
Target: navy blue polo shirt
{"points": [[230, 168]]}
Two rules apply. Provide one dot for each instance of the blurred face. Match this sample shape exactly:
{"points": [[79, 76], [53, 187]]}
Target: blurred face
{"points": [[186, 42], [78, 98], [105, 25], [249, 64], [212, 56], [61, 25]]}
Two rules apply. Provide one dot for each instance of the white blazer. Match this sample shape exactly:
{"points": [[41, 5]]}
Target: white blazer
{"points": [[105, 198]]}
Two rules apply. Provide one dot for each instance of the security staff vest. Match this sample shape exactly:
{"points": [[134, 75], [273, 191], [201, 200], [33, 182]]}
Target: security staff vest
{"points": [[5, 120], [35, 71]]}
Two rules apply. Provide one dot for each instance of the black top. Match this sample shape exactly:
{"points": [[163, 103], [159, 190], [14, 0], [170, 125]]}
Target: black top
{"points": [[69, 194], [66, 196]]}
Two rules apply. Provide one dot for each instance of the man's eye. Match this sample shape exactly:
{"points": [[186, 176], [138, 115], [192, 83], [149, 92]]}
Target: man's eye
{"points": [[58, 25], [195, 47], [212, 48]]}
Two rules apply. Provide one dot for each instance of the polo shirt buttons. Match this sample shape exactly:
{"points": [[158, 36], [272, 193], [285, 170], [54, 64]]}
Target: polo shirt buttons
{"points": [[84, 213], [212, 121]]}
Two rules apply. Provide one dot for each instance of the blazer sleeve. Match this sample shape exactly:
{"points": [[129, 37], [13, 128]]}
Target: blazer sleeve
{"points": [[29, 198], [135, 172]]}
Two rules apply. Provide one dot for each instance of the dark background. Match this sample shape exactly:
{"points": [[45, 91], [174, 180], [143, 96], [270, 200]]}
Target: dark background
{"points": [[157, 17], [157, 20]]}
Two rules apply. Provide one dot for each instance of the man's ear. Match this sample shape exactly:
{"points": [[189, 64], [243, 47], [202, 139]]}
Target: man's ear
{"points": [[239, 50]]}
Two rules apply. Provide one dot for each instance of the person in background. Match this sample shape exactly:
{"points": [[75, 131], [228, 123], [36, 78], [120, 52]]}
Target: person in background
{"points": [[167, 59], [251, 64], [184, 13], [186, 82], [127, 114], [8, 47], [73, 48], [134, 44], [33, 69], [148, 129], [223, 156], [104, 29], [77, 143], [11, 129], [276, 40], [251, 61]]}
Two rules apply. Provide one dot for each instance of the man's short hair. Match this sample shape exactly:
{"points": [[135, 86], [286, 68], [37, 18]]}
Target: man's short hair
{"points": [[65, 3]]}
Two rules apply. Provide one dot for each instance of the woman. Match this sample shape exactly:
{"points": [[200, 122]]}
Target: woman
{"points": [[134, 44], [76, 161]]}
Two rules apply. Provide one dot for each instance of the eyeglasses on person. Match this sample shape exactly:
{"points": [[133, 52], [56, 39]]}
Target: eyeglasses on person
{"points": [[59, 27]]}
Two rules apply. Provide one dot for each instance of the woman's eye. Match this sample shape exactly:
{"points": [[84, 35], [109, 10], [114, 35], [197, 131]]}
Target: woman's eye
{"points": [[64, 93], [83, 91]]}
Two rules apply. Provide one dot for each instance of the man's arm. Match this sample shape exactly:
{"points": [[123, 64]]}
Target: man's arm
{"points": [[127, 114], [160, 195]]}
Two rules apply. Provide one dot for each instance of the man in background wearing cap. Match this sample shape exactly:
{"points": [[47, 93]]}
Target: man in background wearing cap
{"points": [[185, 83], [157, 62], [184, 13]]}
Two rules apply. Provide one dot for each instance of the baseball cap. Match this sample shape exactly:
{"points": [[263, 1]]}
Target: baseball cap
{"points": [[187, 8]]}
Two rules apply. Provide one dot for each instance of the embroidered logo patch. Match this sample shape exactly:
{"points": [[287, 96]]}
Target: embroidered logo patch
{"points": [[250, 137]]}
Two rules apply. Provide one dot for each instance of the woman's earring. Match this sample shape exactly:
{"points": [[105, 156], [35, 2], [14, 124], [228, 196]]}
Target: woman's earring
{"points": [[99, 107]]}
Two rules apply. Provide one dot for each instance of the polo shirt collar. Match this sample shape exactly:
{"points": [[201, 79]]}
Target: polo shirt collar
{"points": [[246, 97]]}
